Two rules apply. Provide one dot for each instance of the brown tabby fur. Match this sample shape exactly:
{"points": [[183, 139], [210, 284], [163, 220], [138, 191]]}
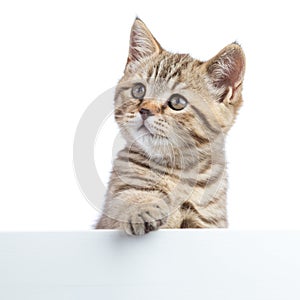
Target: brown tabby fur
{"points": [[171, 173]]}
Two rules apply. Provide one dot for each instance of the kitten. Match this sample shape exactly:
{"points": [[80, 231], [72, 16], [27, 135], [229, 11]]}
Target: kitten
{"points": [[173, 111]]}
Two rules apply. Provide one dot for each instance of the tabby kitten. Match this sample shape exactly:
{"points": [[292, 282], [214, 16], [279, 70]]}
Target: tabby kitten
{"points": [[173, 111]]}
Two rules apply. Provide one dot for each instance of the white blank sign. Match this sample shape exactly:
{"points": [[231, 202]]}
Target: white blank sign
{"points": [[168, 264]]}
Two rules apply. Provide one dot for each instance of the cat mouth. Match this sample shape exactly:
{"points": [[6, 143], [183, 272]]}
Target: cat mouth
{"points": [[144, 129]]}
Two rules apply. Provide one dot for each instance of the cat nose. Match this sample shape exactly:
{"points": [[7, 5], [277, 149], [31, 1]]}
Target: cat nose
{"points": [[145, 113]]}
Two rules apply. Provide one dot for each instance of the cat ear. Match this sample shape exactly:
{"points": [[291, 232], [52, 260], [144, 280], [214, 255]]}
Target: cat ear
{"points": [[142, 42], [225, 74]]}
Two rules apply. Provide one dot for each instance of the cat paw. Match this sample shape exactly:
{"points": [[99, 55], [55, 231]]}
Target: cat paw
{"points": [[149, 217]]}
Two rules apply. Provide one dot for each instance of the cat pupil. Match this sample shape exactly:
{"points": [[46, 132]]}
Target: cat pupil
{"points": [[177, 102], [138, 91]]}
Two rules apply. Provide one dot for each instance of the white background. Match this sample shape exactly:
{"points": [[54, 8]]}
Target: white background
{"points": [[56, 57]]}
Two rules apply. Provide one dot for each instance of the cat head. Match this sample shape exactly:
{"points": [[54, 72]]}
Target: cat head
{"points": [[167, 99]]}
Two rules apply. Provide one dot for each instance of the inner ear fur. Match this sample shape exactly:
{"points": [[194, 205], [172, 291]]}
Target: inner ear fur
{"points": [[225, 73], [142, 43]]}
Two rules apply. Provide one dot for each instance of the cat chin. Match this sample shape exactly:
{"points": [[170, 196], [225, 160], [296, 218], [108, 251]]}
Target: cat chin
{"points": [[150, 143]]}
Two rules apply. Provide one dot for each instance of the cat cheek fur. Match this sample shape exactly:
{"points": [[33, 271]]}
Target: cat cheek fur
{"points": [[172, 171]]}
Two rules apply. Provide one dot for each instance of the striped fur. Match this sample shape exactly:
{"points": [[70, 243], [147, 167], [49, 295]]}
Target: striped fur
{"points": [[172, 172]]}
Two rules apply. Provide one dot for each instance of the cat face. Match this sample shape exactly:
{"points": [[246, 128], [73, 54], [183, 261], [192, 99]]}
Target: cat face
{"points": [[166, 102]]}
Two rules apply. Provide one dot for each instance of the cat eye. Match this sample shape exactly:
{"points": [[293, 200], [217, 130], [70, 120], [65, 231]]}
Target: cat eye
{"points": [[138, 91], [177, 102]]}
